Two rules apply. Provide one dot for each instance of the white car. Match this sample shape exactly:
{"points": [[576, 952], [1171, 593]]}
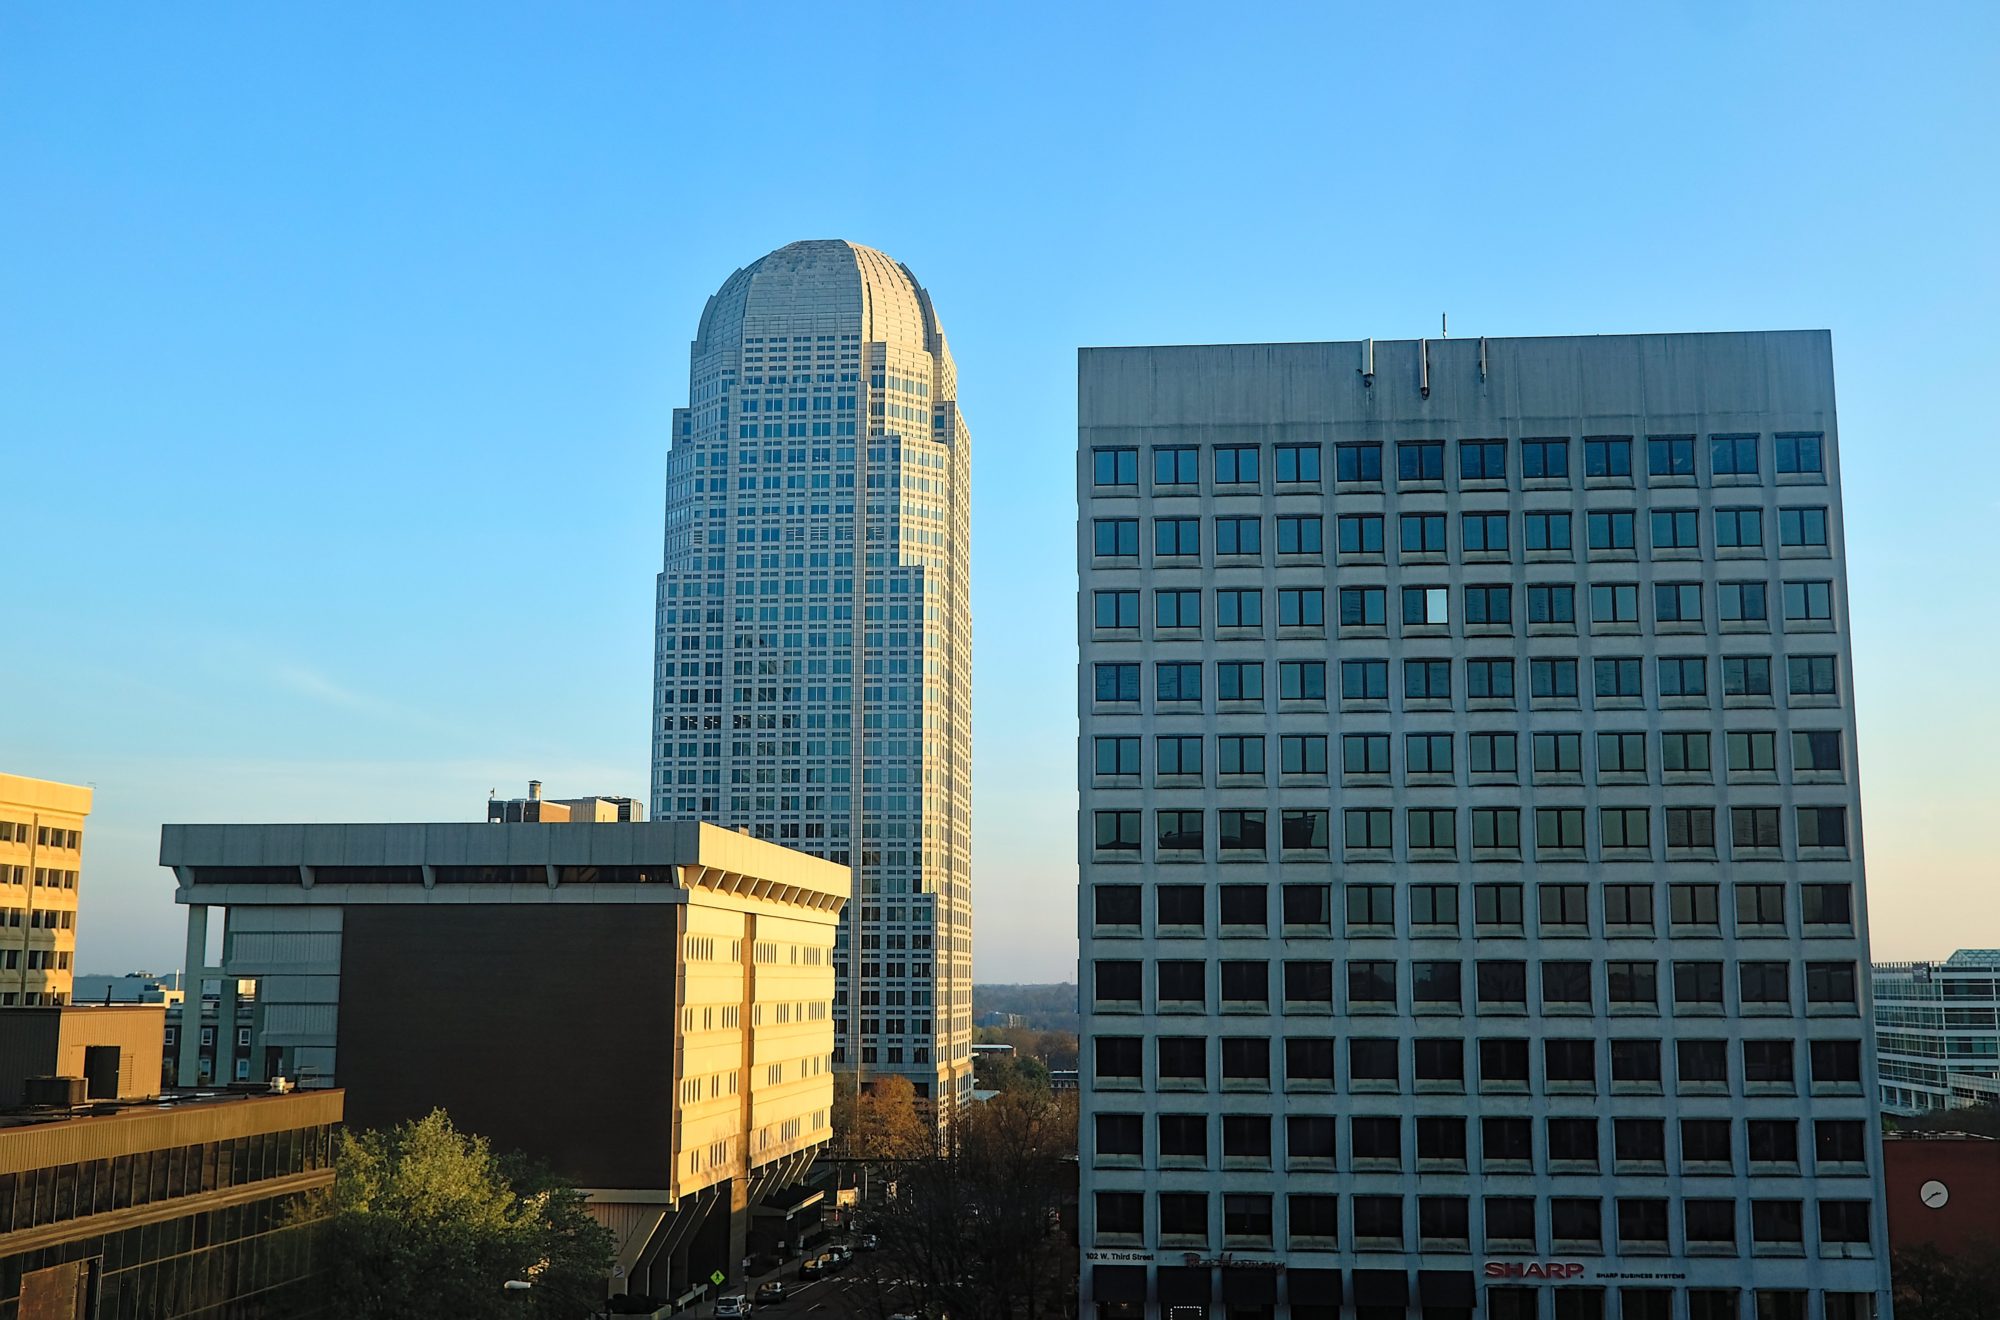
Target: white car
{"points": [[735, 1304]]}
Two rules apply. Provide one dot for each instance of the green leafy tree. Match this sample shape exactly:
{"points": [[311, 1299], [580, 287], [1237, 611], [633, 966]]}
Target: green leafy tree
{"points": [[1933, 1286], [428, 1221]]}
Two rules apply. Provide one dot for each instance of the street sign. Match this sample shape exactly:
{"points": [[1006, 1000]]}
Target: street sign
{"points": [[717, 1278]]}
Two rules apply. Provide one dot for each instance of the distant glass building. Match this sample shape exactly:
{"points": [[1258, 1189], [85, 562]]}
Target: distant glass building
{"points": [[1937, 1029], [814, 642]]}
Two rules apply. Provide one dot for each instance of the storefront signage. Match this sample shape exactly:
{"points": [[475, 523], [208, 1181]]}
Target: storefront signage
{"points": [[1229, 1261], [1551, 1271]]}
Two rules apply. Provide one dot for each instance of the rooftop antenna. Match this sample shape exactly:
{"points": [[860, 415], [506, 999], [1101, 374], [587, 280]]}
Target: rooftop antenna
{"points": [[1444, 325]]}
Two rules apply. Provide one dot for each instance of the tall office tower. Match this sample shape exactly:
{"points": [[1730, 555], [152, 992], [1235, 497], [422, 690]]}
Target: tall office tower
{"points": [[41, 845], [814, 674], [1472, 907]]}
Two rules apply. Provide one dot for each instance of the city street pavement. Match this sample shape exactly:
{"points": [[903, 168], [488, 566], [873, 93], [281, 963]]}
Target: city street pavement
{"points": [[849, 1295]]}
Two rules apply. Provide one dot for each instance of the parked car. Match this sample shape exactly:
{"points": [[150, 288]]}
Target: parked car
{"points": [[868, 1242], [812, 1267], [736, 1304], [842, 1256], [771, 1291]]}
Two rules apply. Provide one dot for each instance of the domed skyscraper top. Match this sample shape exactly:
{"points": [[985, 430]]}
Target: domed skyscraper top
{"points": [[823, 284]]}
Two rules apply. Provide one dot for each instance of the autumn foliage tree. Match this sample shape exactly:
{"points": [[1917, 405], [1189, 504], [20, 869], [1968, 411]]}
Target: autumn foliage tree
{"points": [[883, 1123], [428, 1221]]}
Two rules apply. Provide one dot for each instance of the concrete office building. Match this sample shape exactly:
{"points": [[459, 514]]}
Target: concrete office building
{"points": [[644, 1005], [41, 845], [813, 680], [535, 809], [1937, 1026], [1470, 835], [186, 1206]]}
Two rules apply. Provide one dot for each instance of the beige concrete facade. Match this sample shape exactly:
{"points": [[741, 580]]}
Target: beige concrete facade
{"points": [[41, 852]]}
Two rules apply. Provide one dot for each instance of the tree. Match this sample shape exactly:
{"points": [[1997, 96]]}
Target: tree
{"points": [[428, 1221], [1933, 1286], [979, 1231], [883, 1124]]}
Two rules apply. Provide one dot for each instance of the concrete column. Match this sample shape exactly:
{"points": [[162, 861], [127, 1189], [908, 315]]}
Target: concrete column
{"points": [[739, 1228], [191, 977], [225, 1015]]}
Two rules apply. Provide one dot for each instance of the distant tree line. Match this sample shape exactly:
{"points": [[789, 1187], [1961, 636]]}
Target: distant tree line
{"points": [[1045, 1007]]}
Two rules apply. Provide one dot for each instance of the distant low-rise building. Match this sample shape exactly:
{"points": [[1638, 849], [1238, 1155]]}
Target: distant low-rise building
{"points": [[535, 809], [1937, 1030], [114, 1048], [645, 1005], [1943, 1190]]}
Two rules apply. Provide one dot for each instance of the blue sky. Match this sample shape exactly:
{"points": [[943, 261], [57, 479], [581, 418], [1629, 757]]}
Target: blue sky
{"points": [[338, 343]]}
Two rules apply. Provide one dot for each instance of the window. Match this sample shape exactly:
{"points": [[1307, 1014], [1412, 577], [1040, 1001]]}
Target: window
{"points": [[1306, 905], [1117, 831], [1808, 601], [1494, 753], [1235, 464], [1733, 455], [1691, 828], [1239, 536], [1309, 983], [1827, 905], [1433, 829], [1364, 680], [1117, 1057], [1364, 753], [1173, 681], [1309, 1062], [1116, 905], [1711, 1225], [1840, 1141], [1373, 983], [1117, 756], [1670, 456], [1302, 754], [1607, 457], [1426, 605], [1184, 1217], [1240, 754], [1497, 906], [1752, 752], [1610, 530], [1178, 465], [1297, 464], [1362, 607], [1116, 537], [1822, 827], [1800, 455], [1836, 1062], [1114, 467], [1300, 534], [1441, 1140], [1120, 682], [1628, 905], [1239, 680], [1768, 1062], [1116, 609], [1360, 533], [1547, 531], [1811, 676], [1508, 1141], [1179, 831], [1684, 753], [1639, 1140], [1482, 460], [1706, 1141], [1245, 982], [1618, 678], [1309, 1140], [1576, 1220], [1558, 828], [1435, 905], [1183, 1059], [1558, 753], [1313, 1220], [1683, 676], [1176, 754], [1703, 1064], [1676, 529], [1697, 985], [1565, 985], [1302, 680], [1378, 1221], [1544, 460], [1177, 609], [1427, 680], [1830, 983], [1420, 460], [1116, 982], [1427, 753], [1552, 604], [1778, 1224], [1120, 1215], [1176, 536], [1677, 602], [1489, 606], [1642, 1224], [1632, 984], [1368, 829], [1237, 608], [1565, 909], [1436, 983], [1357, 463], [1753, 827], [1300, 607], [1766, 984], [1843, 1222], [1741, 602], [1746, 676], [1803, 527], [1422, 533], [1816, 749], [1739, 529], [1483, 533], [1621, 753]]}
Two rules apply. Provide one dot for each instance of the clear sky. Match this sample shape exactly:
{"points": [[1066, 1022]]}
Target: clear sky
{"points": [[338, 343]]}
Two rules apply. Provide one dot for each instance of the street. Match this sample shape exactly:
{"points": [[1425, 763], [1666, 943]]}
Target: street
{"points": [[852, 1294]]}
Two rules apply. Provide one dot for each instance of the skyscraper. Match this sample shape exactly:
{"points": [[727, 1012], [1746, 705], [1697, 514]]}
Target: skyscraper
{"points": [[814, 644], [1472, 906]]}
